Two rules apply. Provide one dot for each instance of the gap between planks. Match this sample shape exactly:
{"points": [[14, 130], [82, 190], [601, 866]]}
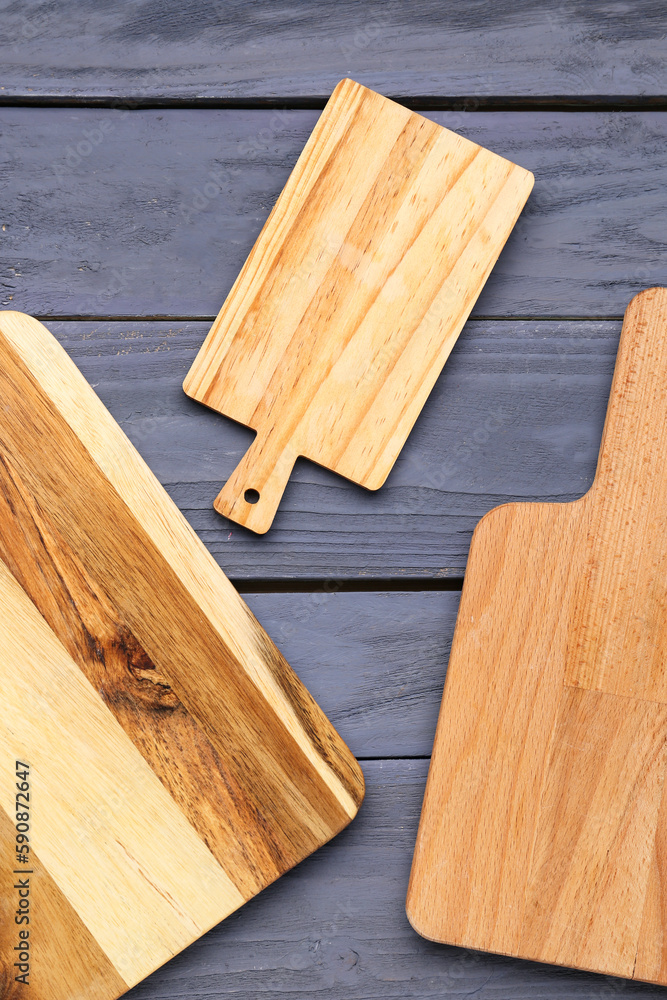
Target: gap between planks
{"points": [[94, 318], [472, 103], [407, 756], [330, 585]]}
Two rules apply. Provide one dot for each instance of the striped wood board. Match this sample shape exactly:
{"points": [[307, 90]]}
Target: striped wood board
{"points": [[175, 764], [353, 296], [544, 827]]}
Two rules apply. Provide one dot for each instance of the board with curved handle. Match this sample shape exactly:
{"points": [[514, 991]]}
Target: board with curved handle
{"points": [[353, 296], [544, 827]]}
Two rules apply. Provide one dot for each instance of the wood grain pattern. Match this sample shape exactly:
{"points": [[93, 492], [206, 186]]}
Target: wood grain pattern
{"points": [[336, 926], [206, 763], [55, 971], [517, 414], [287, 49], [596, 832], [108, 832], [169, 239], [353, 296], [594, 235], [540, 833]]}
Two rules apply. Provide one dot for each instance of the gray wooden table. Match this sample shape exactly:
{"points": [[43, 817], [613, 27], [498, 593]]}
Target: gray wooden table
{"points": [[142, 146]]}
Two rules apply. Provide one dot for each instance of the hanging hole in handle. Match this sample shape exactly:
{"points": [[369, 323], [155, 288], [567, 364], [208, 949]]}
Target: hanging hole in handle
{"points": [[251, 496]]}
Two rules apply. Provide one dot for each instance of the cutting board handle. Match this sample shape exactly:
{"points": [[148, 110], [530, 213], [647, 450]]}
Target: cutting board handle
{"points": [[254, 490], [634, 440]]}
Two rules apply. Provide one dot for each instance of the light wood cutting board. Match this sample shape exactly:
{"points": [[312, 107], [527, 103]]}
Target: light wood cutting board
{"points": [[175, 764], [353, 296], [544, 827]]}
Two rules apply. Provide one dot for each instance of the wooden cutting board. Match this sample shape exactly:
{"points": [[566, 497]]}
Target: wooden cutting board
{"points": [[353, 296], [544, 827], [156, 750]]}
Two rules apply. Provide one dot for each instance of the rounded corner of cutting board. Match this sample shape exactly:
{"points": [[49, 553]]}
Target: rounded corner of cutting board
{"points": [[26, 334], [16, 316], [418, 920], [189, 387], [374, 481], [646, 294]]}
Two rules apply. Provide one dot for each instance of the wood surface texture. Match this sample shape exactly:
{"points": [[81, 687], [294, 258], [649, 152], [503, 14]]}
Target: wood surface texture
{"points": [[169, 237], [353, 296], [127, 215], [541, 834], [178, 765], [517, 414], [274, 49]]}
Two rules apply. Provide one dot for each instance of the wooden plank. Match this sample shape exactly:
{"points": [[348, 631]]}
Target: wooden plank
{"points": [[299, 49], [123, 634], [516, 415], [539, 835], [152, 213], [336, 927], [353, 296], [375, 661]]}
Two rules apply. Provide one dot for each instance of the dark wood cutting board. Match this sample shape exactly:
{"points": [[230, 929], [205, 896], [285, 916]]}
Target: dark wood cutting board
{"points": [[159, 761]]}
